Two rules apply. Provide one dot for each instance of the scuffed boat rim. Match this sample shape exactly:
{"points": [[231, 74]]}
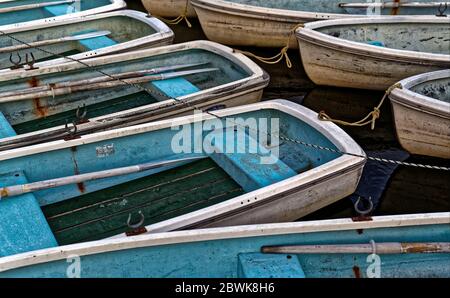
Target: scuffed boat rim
{"points": [[413, 100], [309, 34], [163, 33], [115, 5], [236, 232], [265, 13]]}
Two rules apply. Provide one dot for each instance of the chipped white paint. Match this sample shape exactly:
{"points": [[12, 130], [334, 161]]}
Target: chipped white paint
{"points": [[168, 8], [422, 123]]}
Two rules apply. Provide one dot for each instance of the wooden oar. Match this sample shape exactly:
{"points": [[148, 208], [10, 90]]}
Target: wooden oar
{"points": [[54, 41], [100, 79], [393, 4], [379, 248], [17, 190], [35, 5], [90, 84]]}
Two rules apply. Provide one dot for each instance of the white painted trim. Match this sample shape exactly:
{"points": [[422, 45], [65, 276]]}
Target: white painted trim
{"points": [[310, 34], [417, 101], [115, 5], [163, 35], [262, 230]]}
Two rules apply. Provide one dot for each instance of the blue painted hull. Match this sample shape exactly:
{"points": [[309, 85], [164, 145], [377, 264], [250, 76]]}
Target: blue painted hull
{"points": [[231, 256]]}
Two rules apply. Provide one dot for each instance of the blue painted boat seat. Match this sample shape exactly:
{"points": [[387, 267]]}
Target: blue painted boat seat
{"points": [[59, 10], [259, 265], [96, 43], [6, 129], [23, 226], [176, 87], [245, 165]]}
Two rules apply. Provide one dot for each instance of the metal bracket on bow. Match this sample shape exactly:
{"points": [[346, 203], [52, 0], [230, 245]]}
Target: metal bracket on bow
{"points": [[17, 62], [137, 228], [442, 9]]}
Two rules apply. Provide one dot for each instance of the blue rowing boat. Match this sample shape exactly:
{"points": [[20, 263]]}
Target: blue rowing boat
{"points": [[17, 13], [397, 246], [249, 164]]}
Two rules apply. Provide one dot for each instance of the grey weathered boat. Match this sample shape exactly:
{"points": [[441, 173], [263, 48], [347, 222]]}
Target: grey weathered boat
{"points": [[112, 32], [15, 13], [37, 110], [373, 53], [169, 8], [269, 23], [422, 113]]}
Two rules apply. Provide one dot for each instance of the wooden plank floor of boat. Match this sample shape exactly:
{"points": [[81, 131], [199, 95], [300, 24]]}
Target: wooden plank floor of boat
{"points": [[159, 197]]}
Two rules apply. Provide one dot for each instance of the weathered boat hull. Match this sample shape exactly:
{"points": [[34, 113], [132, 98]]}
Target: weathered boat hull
{"points": [[236, 252], [42, 16], [130, 30], [169, 9], [332, 61], [244, 23], [240, 81], [236, 187], [422, 123]]}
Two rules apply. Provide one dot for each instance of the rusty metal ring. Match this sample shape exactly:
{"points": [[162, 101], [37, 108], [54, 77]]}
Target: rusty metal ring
{"points": [[137, 225], [363, 212]]}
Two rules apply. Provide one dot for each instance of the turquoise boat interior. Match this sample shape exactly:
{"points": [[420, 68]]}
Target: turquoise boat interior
{"points": [[438, 89], [98, 209], [419, 37], [13, 17], [39, 113], [121, 29], [241, 257], [333, 6]]}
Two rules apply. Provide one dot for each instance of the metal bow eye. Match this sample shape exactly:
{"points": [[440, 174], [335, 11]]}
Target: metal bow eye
{"points": [[136, 225], [363, 212]]}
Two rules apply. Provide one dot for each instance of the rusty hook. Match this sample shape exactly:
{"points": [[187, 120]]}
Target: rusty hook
{"points": [[364, 212], [17, 62], [71, 131], [137, 225], [81, 117], [442, 8], [30, 62]]}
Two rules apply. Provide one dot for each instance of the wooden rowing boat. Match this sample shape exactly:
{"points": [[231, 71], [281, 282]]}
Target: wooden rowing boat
{"points": [[373, 53], [421, 111], [14, 14], [128, 30], [37, 111], [398, 246], [268, 23], [243, 173], [170, 8]]}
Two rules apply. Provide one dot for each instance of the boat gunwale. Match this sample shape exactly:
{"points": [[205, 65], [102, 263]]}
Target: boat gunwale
{"points": [[266, 13], [162, 35], [256, 80], [115, 5], [235, 232], [310, 35], [420, 102]]}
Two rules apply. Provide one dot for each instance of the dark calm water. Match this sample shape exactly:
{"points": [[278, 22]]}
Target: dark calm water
{"points": [[394, 190]]}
